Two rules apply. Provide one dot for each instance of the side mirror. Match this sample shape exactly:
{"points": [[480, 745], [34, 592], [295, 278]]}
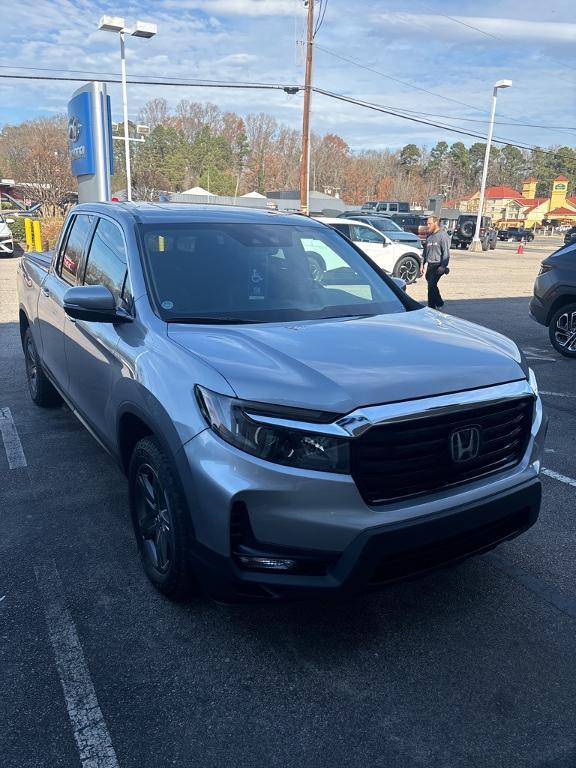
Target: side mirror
{"points": [[400, 283], [94, 303], [9, 221]]}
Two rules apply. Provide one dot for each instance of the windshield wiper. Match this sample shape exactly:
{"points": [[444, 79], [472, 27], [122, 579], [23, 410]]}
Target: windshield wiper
{"points": [[223, 320]]}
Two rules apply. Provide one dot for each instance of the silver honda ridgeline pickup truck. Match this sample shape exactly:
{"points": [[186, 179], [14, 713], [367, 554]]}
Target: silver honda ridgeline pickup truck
{"points": [[283, 434]]}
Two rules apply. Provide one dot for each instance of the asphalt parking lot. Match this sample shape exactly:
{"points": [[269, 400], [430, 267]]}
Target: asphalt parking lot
{"points": [[469, 666]]}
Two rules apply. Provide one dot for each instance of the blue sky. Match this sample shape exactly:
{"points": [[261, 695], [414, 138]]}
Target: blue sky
{"points": [[256, 40]]}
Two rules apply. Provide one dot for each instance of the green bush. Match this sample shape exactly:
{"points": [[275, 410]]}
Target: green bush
{"points": [[18, 230]]}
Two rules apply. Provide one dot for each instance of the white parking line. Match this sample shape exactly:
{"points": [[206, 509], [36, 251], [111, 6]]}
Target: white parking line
{"points": [[90, 731], [558, 476], [534, 353], [557, 394], [12, 444]]}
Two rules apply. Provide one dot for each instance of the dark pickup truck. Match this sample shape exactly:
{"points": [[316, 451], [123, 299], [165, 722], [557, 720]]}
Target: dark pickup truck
{"points": [[517, 234]]}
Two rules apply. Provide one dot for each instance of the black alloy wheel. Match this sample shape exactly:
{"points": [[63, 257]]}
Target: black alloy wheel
{"points": [[154, 520], [161, 520], [407, 268], [41, 390], [562, 330]]}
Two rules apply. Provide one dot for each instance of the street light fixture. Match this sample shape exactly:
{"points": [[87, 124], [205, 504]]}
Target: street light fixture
{"points": [[476, 245], [140, 29]]}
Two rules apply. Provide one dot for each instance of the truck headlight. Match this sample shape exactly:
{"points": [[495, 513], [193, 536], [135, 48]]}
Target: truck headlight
{"points": [[532, 381], [292, 447]]}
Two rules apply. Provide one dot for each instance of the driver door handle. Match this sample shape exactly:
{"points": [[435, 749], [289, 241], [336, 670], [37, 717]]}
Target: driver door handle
{"points": [[45, 291]]}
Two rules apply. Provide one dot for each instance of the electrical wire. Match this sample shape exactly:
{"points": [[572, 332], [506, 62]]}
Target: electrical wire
{"points": [[240, 83], [321, 14], [277, 86], [436, 12], [452, 129], [181, 83], [430, 93]]}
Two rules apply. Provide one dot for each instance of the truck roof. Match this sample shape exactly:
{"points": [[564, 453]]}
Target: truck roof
{"points": [[150, 213]]}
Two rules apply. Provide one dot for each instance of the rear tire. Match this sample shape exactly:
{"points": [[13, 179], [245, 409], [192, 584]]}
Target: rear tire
{"points": [[41, 390], [562, 330], [408, 268], [161, 520]]}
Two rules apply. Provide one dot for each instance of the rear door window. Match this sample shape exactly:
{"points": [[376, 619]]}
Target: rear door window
{"points": [[362, 234], [72, 251], [343, 228]]}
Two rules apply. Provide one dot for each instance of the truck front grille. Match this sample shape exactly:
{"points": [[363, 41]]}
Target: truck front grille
{"points": [[417, 456]]}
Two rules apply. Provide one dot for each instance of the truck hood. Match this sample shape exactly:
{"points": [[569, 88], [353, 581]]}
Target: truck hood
{"points": [[338, 365]]}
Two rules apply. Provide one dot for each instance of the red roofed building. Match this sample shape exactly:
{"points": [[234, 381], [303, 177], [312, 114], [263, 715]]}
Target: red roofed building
{"points": [[508, 207]]}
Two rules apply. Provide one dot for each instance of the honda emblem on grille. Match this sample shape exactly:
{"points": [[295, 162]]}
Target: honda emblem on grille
{"points": [[465, 444]]}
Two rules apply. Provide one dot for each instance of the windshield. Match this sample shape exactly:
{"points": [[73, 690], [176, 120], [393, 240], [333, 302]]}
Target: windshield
{"points": [[385, 225], [247, 272]]}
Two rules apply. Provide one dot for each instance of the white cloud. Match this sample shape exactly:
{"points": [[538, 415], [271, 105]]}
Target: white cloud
{"points": [[238, 7], [473, 26]]}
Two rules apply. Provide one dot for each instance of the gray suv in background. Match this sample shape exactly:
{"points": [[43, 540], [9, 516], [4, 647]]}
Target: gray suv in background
{"points": [[554, 301], [282, 436]]}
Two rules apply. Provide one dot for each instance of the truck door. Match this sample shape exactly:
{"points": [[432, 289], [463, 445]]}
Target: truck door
{"points": [[62, 275], [93, 367]]}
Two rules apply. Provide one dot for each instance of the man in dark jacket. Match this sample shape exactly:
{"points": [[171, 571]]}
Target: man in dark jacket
{"points": [[436, 258]]}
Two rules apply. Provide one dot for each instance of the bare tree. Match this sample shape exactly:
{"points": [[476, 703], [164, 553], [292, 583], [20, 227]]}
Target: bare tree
{"points": [[261, 130], [154, 112], [36, 154]]}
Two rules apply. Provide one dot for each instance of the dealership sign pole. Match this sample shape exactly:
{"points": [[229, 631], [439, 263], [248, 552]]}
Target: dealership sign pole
{"points": [[90, 142]]}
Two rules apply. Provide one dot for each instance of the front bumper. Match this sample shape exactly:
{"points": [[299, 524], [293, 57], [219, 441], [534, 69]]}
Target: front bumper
{"points": [[383, 554], [538, 310], [6, 246], [322, 517]]}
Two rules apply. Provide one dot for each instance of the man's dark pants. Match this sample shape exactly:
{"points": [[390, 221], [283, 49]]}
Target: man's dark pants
{"points": [[432, 276]]}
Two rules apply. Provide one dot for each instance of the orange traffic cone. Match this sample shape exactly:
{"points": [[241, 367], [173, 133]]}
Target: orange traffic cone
{"points": [[520, 248]]}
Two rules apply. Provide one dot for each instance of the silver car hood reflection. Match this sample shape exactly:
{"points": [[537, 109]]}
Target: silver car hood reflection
{"points": [[341, 364]]}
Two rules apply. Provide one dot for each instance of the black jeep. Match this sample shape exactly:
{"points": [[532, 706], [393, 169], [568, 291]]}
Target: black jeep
{"points": [[463, 232]]}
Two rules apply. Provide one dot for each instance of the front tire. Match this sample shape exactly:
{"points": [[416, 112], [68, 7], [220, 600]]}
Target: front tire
{"points": [[408, 268], [41, 390], [161, 521], [562, 330]]}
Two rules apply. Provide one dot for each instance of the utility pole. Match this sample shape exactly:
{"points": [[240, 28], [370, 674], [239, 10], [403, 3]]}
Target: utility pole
{"points": [[305, 158]]}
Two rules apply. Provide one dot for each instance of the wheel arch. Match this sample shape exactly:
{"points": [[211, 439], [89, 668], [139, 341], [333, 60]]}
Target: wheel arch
{"points": [[24, 323], [561, 301]]}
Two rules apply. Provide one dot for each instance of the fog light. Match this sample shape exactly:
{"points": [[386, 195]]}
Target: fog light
{"points": [[267, 563]]}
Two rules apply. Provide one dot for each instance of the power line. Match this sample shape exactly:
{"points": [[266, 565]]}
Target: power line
{"points": [[321, 14], [425, 90], [181, 83], [490, 34], [396, 79], [452, 129], [277, 86], [240, 83]]}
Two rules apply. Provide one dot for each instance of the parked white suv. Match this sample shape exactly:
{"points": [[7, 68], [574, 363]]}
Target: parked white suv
{"points": [[398, 259], [6, 240]]}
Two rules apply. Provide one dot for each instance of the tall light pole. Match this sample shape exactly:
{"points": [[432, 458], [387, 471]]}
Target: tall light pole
{"points": [[305, 159], [476, 245], [140, 29]]}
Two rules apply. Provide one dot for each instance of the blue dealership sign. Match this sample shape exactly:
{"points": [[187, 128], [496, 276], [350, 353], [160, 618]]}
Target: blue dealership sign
{"points": [[80, 134]]}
